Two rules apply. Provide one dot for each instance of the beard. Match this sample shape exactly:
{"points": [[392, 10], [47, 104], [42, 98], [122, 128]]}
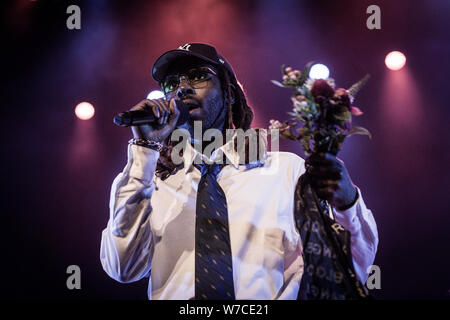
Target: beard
{"points": [[212, 115]]}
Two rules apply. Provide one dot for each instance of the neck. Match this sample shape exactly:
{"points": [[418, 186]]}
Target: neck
{"points": [[217, 142]]}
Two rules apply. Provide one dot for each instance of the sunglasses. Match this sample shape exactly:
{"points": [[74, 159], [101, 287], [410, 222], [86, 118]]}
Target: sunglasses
{"points": [[197, 78]]}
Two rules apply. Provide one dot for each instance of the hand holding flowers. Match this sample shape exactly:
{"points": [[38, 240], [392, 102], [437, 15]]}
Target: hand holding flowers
{"points": [[321, 120]]}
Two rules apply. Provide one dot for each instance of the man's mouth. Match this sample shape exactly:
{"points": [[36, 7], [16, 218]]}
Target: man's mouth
{"points": [[195, 111], [192, 104]]}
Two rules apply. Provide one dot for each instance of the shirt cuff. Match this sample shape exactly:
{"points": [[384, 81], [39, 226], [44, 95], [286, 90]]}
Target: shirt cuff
{"points": [[142, 162], [349, 218]]}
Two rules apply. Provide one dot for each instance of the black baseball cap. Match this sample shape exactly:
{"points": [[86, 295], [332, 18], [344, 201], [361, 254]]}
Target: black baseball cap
{"points": [[202, 51]]}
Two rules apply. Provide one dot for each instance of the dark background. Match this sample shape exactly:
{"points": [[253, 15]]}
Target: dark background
{"points": [[57, 170]]}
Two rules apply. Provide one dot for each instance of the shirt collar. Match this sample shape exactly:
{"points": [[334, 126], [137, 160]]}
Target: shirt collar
{"points": [[190, 153]]}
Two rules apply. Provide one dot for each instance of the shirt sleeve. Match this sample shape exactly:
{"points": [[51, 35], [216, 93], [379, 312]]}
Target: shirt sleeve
{"points": [[126, 245], [359, 221]]}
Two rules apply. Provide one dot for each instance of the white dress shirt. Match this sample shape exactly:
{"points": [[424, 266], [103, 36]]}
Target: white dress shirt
{"points": [[151, 230]]}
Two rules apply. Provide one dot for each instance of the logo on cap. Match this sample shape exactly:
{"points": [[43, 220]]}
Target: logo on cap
{"points": [[185, 47]]}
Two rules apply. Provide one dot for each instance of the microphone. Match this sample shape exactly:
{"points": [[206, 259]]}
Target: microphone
{"points": [[138, 117]]}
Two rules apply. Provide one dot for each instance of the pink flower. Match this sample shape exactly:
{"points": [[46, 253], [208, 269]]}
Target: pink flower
{"points": [[356, 111], [321, 88]]}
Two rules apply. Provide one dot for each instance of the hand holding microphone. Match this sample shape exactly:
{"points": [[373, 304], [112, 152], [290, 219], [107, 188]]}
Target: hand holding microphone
{"points": [[154, 120]]}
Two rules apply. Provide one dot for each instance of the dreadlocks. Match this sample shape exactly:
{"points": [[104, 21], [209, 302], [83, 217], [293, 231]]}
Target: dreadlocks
{"points": [[239, 115]]}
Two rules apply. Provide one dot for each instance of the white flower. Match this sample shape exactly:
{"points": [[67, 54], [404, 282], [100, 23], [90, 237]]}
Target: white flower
{"points": [[331, 82], [299, 102], [275, 124], [309, 83]]}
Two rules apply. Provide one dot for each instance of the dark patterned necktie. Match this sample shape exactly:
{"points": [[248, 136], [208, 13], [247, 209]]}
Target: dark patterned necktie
{"points": [[327, 250], [213, 264]]}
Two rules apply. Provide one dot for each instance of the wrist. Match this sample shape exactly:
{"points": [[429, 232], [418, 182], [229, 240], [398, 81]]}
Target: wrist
{"points": [[351, 203], [154, 145]]}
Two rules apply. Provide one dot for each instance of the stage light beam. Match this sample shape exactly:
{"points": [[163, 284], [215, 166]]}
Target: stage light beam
{"points": [[395, 60], [319, 71], [84, 111]]}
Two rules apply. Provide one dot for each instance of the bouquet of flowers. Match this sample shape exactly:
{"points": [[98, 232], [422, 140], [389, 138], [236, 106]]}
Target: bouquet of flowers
{"points": [[321, 120], [322, 115]]}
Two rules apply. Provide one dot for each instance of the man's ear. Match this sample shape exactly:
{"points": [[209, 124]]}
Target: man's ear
{"points": [[233, 90]]}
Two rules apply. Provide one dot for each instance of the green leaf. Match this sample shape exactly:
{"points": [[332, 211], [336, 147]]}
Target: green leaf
{"points": [[307, 94], [287, 133], [305, 73], [305, 144], [357, 86], [359, 130], [343, 116], [302, 132], [277, 83]]}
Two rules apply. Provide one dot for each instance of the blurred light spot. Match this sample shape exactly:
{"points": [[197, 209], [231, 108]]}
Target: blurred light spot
{"points": [[395, 60], [155, 94], [84, 111], [319, 71]]}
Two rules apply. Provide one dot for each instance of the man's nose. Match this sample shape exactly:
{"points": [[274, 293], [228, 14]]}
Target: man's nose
{"points": [[184, 88]]}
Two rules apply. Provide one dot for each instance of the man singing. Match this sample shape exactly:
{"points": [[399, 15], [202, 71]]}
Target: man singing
{"points": [[217, 225]]}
